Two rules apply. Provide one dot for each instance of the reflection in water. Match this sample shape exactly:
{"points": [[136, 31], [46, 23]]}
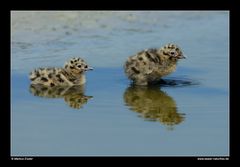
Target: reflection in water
{"points": [[153, 105], [175, 82], [73, 96]]}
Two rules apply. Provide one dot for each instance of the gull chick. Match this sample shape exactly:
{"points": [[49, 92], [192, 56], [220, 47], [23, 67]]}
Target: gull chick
{"points": [[150, 65], [73, 73]]}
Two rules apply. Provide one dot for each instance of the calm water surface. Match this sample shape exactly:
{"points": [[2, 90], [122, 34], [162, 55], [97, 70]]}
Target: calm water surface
{"points": [[186, 116]]}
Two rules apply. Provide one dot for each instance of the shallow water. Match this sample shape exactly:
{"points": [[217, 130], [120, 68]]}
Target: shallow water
{"points": [[187, 115]]}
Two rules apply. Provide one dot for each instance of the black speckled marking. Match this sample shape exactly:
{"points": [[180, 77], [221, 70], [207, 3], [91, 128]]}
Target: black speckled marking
{"points": [[71, 79], [44, 79], [140, 58], [135, 70], [52, 84], [32, 79], [150, 57], [59, 78], [71, 67], [71, 61], [49, 75]]}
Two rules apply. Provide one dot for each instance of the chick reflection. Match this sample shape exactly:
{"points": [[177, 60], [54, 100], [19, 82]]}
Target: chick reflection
{"points": [[153, 105], [73, 96]]}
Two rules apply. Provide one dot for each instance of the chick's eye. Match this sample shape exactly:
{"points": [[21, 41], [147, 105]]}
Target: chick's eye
{"points": [[79, 66], [86, 66]]}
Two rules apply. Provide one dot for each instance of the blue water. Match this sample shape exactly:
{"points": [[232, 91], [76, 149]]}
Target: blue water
{"points": [[188, 116]]}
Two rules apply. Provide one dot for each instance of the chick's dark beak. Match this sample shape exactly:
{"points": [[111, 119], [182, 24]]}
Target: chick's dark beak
{"points": [[89, 68], [181, 57]]}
